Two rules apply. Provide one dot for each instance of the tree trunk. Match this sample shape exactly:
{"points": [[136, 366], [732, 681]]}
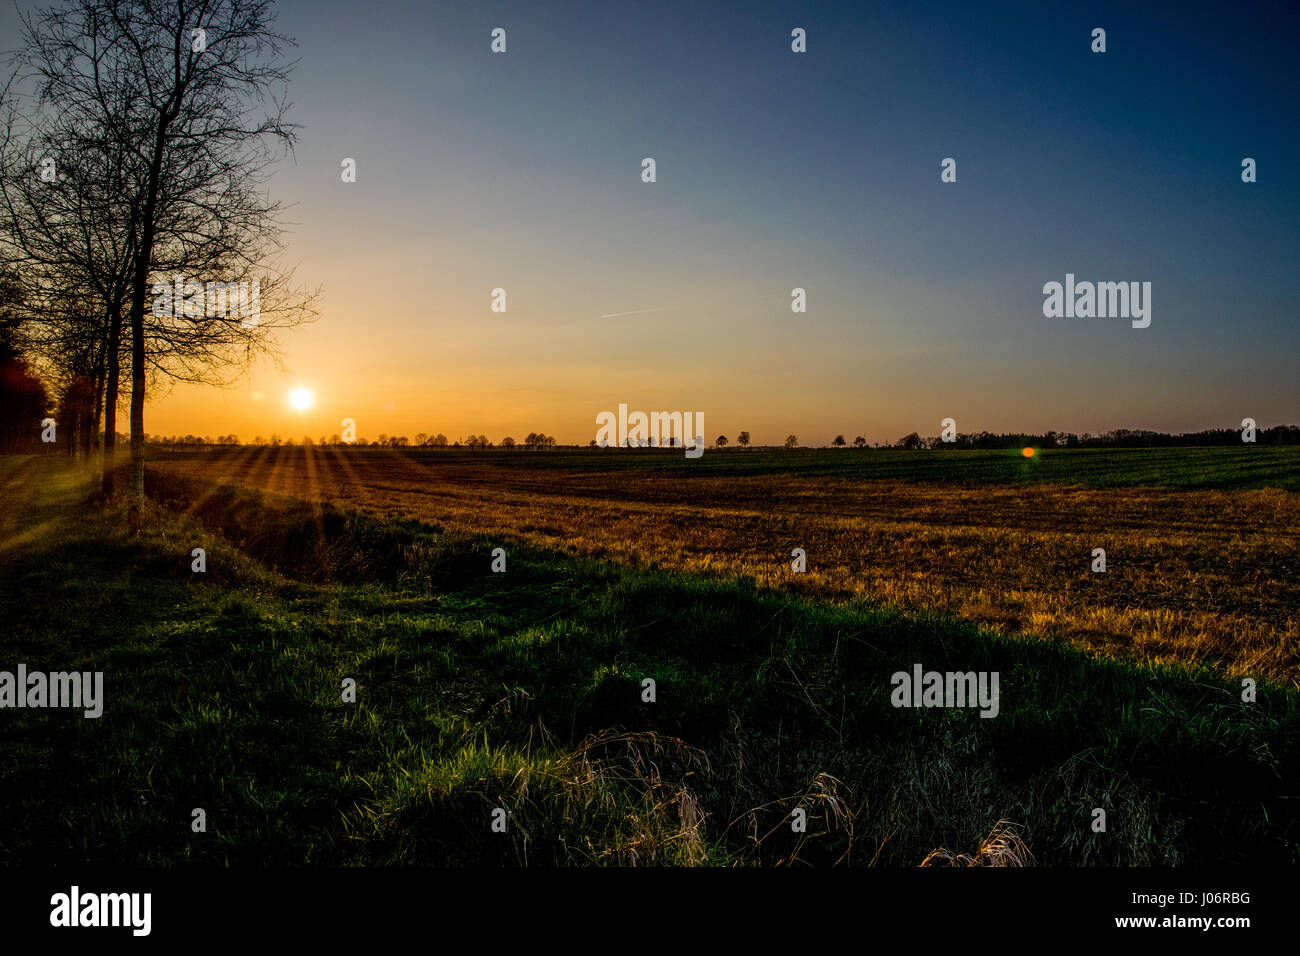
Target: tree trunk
{"points": [[139, 289], [86, 425], [134, 514], [97, 411], [108, 482]]}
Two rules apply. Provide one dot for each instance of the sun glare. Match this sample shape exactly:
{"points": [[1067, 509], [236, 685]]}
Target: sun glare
{"points": [[300, 398], [1028, 452]]}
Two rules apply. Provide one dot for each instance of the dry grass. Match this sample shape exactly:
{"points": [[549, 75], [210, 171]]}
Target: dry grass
{"points": [[1002, 847], [1201, 577]]}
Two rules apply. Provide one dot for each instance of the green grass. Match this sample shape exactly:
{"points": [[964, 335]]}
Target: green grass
{"points": [[523, 691]]}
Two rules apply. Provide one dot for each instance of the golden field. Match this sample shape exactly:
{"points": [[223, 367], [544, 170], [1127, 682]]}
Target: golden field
{"points": [[1193, 576]]}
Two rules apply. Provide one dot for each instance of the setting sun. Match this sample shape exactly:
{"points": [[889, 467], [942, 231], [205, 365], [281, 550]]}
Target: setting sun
{"points": [[1028, 452], [300, 398]]}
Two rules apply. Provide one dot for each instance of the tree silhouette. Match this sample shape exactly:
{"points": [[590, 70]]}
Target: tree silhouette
{"points": [[171, 91], [23, 399]]}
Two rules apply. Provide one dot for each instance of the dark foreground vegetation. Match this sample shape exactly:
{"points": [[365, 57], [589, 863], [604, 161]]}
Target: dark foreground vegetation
{"points": [[523, 690]]}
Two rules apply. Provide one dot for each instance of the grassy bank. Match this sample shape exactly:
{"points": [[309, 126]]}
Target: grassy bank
{"points": [[523, 690]]}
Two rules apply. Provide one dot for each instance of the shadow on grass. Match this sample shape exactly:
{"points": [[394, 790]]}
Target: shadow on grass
{"points": [[525, 692]]}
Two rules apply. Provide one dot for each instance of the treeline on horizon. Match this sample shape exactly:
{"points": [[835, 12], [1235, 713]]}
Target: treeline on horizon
{"points": [[17, 434], [1117, 438]]}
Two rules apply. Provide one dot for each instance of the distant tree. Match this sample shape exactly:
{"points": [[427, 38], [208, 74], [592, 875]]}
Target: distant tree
{"points": [[722, 441], [22, 401], [592, 443], [910, 442], [75, 411], [860, 441], [507, 442], [743, 439], [275, 441], [791, 441], [839, 441], [421, 439]]}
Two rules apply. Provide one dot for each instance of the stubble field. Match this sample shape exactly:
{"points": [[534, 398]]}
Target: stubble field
{"points": [[1194, 575]]}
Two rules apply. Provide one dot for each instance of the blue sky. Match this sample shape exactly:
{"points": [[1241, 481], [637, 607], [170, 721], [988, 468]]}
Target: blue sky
{"points": [[776, 170]]}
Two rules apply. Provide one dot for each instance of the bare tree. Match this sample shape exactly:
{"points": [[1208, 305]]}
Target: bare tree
{"points": [[182, 95], [67, 218], [23, 398]]}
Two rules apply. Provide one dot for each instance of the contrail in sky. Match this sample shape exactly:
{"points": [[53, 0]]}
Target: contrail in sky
{"points": [[614, 315]]}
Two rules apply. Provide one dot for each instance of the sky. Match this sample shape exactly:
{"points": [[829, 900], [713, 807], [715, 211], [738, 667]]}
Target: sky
{"points": [[776, 170]]}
